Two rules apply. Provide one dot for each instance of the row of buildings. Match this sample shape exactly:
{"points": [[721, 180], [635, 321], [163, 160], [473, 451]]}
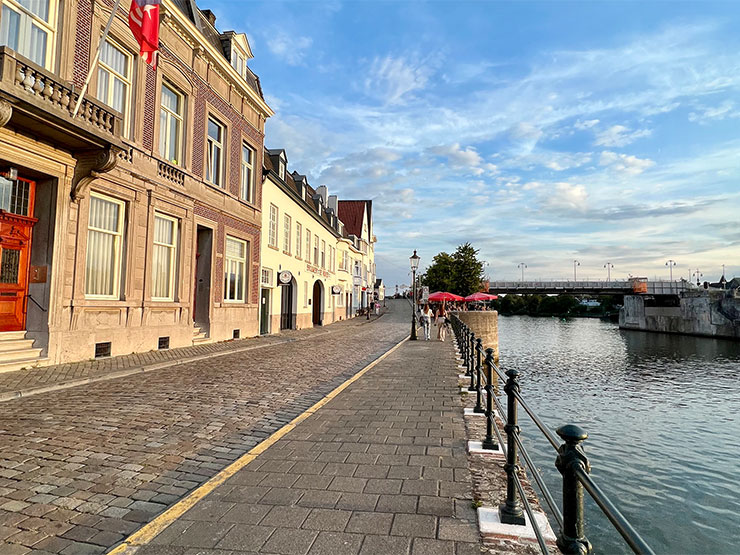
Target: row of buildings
{"points": [[156, 217]]}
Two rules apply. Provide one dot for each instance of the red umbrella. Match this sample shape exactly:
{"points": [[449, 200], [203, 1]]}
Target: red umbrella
{"points": [[480, 297], [443, 296]]}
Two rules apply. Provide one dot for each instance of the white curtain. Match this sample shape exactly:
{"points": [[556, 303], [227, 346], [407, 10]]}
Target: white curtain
{"points": [[103, 248], [9, 26], [162, 258]]}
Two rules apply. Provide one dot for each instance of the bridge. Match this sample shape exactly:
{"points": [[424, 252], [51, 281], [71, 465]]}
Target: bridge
{"points": [[636, 286]]}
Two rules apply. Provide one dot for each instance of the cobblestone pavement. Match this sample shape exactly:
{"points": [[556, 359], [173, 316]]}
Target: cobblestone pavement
{"points": [[379, 470], [82, 468], [11, 383]]}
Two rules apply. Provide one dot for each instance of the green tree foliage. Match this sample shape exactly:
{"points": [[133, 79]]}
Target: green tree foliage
{"points": [[459, 272], [549, 305]]}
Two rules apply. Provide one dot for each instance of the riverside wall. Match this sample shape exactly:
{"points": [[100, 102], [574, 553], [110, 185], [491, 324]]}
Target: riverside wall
{"points": [[485, 325], [705, 313]]}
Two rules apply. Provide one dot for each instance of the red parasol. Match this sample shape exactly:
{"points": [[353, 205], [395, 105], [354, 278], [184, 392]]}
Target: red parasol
{"points": [[443, 296], [480, 297]]}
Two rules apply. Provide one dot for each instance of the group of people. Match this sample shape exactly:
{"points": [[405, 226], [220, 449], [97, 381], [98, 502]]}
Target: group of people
{"points": [[438, 316]]}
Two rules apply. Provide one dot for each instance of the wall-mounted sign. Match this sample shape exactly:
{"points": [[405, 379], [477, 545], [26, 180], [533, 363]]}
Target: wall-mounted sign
{"points": [[285, 277], [316, 270], [336, 290], [356, 280]]}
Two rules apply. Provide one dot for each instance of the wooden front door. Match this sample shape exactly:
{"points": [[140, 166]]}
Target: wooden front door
{"points": [[317, 303], [286, 306], [265, 311], [16, 226]]}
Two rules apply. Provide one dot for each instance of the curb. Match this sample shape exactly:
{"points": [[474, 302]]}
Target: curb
{"points": [[149, 531]]}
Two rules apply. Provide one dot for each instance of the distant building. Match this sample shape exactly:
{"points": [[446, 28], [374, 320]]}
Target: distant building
{"points": [[379, 290], [358, 223]]}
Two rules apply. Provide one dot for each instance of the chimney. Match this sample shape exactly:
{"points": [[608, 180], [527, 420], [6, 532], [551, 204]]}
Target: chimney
{"points": [[322, 192], [210, 16], [334, 203]]}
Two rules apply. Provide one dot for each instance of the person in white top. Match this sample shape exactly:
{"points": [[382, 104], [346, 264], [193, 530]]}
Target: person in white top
{"points": [[426, 321]]}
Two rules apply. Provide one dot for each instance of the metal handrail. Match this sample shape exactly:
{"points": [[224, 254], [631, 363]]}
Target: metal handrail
{"points": [[571, 461]]}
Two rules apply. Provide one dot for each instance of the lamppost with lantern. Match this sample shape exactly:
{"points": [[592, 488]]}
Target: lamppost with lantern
{"points": [[414, 260], [671, 263], [575, 265]]}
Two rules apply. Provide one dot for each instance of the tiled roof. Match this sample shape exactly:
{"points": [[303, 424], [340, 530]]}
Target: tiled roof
{"points": [[351, 213]]}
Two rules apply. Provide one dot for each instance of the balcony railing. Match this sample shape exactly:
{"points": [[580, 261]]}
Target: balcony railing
{"points": [[171, 173]]}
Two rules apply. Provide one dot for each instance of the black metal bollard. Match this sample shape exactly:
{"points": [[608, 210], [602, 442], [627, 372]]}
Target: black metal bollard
{"points": [[488, 441], [571, 539], [478, 353], [466, 346], [511, 511], [471, 387]]}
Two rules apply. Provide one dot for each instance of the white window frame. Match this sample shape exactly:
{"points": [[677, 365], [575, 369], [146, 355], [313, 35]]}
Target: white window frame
{"points": [[281, 170], [323, 254], [298, 240], [287, 233], [164, 131], [269, 272], [211, 145], [173, 255], [129, 81], [315, 250], [28, 18], [240, 262], [272, 239], [118, 242], [246, 189], [307, 256]]}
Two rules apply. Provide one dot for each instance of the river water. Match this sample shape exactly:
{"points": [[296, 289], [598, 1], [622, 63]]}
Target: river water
{"points": [[662, 416]]}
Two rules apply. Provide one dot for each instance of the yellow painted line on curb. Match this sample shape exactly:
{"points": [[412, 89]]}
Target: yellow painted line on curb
{"points": [[149, 531]]}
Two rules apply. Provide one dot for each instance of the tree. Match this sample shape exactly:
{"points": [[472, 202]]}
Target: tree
{"points": [[458, 273]]}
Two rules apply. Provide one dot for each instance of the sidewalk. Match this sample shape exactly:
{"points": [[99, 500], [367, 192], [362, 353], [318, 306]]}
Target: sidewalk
{"points": [[381, 468], [22, 383]]}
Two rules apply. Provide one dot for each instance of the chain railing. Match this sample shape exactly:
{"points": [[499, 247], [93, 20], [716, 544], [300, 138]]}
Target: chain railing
{"points": [[571, 460]]}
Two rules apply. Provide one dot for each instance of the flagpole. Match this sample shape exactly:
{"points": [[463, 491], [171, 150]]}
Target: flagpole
{"points": [[96, 58]]}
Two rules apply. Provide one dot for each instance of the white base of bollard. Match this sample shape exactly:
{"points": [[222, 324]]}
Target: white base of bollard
{"points": [[491, 527], [476, 448], [470, 412]]}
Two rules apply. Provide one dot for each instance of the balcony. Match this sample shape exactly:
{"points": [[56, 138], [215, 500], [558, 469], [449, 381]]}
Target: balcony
{"points": [[34, 100]]}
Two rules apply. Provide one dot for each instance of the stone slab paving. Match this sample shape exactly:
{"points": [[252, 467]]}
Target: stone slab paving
{"points": [[379, 470], [82, 468]]}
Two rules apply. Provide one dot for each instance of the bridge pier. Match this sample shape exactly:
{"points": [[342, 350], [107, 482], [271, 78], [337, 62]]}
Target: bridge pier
{"points": [[485, 325]]}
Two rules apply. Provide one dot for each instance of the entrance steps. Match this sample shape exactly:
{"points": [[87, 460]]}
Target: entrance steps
{"points": [[17, 352], [200, 335]]}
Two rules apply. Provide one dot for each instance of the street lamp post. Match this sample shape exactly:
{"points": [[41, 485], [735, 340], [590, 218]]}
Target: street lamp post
{"points": [[698, 275], [522, 265], [608, 267], [671, 263], [414, 260], [575, 264]]}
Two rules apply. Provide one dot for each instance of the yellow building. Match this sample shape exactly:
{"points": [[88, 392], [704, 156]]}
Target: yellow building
{"points": [[358, 226], [302, 280]]}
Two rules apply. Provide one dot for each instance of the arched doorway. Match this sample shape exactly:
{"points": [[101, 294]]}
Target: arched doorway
{"points": [[318, 301]]}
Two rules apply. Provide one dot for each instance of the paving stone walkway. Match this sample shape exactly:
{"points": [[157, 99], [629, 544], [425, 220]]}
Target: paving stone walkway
{"points": [[82, 468], [381, 469]]}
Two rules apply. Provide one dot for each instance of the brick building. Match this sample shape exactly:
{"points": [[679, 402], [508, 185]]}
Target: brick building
{"points": [[135, 225]]}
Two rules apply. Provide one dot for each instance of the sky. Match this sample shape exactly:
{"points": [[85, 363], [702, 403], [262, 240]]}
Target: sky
{"points": [[540, 132]]}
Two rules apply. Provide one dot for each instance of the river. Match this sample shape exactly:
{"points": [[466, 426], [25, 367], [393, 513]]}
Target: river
{"points": [[662, 416]]}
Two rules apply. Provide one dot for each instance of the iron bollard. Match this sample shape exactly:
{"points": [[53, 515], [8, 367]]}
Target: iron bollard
{"points": [[488, 441], [511, 511], [478, 353], [466, 345], [471, 387], [571, 539]]}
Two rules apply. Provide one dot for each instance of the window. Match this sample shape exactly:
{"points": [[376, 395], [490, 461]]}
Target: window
{"points": [[245, 191], [27, 26], [170, 124], [104, 247], [315, 250], [114, 79], [308, 246], [266, 277], [272, 231], [239, 61], [215, 150], [235, 269], [287, 232], [298, 239], [281, 170], [344, 264], [323, 253], [164, 256]]}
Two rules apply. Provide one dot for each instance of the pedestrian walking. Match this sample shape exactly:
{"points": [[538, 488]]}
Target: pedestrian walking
{"points": [[426, 321], [441, 320]]}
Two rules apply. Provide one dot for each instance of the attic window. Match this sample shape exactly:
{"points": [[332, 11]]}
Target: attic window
{"points": [[281, 170], [239, 61]]}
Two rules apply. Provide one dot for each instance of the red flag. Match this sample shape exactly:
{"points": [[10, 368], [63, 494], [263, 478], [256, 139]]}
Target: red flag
{"points": [[143, 18]]}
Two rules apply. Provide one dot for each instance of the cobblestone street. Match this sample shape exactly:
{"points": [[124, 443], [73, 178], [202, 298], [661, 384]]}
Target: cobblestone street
{"points": [[81, 468]]}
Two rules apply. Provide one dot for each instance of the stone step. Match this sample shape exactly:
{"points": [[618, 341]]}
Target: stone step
{"points": [[31, 362], [15, 344], [19, 354], [12, 335]]}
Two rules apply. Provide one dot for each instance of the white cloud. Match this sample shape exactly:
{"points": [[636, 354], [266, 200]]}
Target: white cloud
{"points": [[631, 165], [619, 135], [588, 124], [291, 49], [566, 197], [725, 110], [393, 79], [466, 157]]}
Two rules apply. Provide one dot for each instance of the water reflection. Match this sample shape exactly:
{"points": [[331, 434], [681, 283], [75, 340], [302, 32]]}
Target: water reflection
{"points": [[660, 411]]}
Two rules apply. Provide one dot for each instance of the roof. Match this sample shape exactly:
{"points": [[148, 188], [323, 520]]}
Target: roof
{"points": [[351, 212]]}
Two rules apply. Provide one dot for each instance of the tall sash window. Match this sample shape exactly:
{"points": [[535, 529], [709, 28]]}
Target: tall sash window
{"points": [[104, 247], [164, 256], [114, 79], [27, 26], [235, 269], [170, 124]]}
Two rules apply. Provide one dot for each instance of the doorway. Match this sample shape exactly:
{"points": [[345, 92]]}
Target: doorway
{"points": [[264, 311], [317, 303], [286, 306], [202, 295], [17, 197]]}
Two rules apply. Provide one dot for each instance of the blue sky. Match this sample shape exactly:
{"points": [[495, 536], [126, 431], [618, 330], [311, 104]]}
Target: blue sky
{"points": [[541, 132]]}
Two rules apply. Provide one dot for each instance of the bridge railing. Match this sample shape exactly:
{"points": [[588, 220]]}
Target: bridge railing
{"points": [[571, 461]]}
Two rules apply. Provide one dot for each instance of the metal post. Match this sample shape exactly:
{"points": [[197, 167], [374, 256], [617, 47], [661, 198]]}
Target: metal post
{"points": [[488, 441], [571, 539], [478, 352], [511, 511], [413, 308], [471, 387], [465, 349]]}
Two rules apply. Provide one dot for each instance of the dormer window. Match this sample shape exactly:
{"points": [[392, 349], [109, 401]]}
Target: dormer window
{"points": [[281, 170], [239, 61]]}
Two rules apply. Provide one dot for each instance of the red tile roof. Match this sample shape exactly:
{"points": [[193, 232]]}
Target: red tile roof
{"points": [[351, 213]]}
